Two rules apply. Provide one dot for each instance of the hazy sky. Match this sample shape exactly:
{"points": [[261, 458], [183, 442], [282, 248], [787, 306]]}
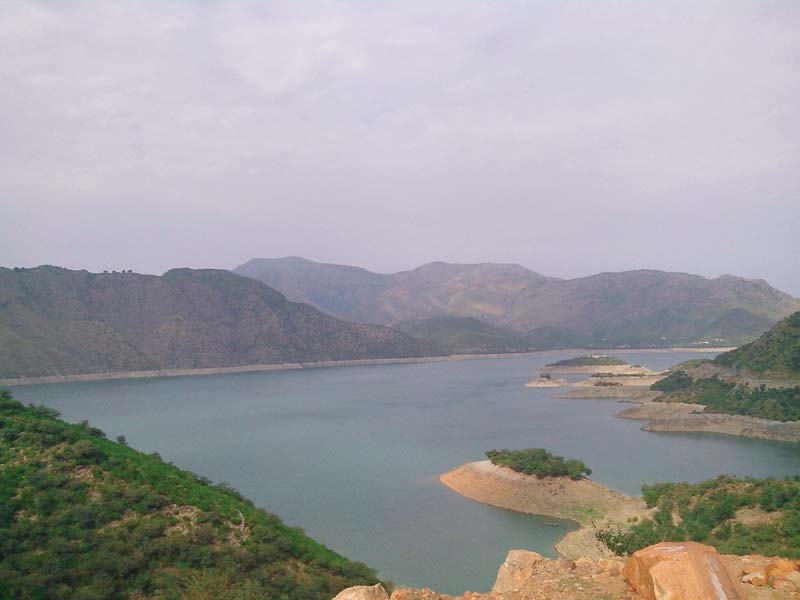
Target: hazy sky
{"points": [[571, 137]]}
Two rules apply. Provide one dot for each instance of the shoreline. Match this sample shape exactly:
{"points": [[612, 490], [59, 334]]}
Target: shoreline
{"points": [[676, 417], [205, 371], [585, 502]]}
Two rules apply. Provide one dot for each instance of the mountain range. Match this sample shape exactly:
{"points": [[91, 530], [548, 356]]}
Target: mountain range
{"points": [[56, 321], [645, 308]]}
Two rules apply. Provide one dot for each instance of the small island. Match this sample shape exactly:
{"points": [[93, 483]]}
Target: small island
{"points": [[594, 360], [534, 481]]}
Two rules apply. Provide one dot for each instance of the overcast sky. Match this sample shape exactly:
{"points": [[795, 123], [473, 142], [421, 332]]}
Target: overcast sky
{"points": [[570, 137]]}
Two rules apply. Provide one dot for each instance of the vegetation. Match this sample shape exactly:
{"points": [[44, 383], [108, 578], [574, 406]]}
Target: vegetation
{"points": [[463, 335], [708, 512], [82, 517], [588, 361], [718, 396], [678, 380], [777, 351], [539, 462]]}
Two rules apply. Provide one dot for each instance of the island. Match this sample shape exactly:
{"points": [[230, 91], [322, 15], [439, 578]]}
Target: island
{"points": [[561, 490]]}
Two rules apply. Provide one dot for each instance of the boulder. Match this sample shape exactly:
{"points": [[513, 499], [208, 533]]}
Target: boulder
{"points": [[516, 570], [681, 571], [363, 592]]}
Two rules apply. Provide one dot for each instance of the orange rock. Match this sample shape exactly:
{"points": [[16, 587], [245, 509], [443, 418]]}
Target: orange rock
{"points": [[363, 592], [681, 571], [757, 578], [780, 568], [516, 571]]}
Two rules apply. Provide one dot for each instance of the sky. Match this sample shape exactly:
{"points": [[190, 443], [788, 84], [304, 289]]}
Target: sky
{"points": [[570, 137]]}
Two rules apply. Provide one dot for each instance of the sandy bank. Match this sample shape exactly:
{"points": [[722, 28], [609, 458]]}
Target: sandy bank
{"points": [[644, 381], [589, 503], [615, 369], [634, 394], [547, 383]]}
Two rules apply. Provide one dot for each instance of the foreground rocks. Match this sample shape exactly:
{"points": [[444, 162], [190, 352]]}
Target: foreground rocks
{"points": [[681, 570], [665, 571]]}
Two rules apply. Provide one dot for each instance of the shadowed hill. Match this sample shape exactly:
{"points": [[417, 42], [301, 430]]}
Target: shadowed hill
{"points": [[57, 321], [633, 308]]}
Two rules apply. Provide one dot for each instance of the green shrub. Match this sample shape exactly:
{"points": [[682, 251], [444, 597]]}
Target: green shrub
{"points": [[539, 462]]}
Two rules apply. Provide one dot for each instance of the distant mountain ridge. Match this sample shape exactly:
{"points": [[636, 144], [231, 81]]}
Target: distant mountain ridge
{"points": [[631, 308], [56, 321]]}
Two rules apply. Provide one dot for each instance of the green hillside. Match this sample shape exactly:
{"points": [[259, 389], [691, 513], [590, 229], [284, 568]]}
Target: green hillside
{"points": [[728, 385], [776, 352], [736, 516], [82, 517]]}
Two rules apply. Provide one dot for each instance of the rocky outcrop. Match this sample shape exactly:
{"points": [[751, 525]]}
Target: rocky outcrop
{"points": [[516, 571], [686, 570], [363, 592], [665, 571]]}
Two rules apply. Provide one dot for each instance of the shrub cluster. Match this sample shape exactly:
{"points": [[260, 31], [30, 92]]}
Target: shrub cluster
{"points": [[539, 462], [706, 512]]}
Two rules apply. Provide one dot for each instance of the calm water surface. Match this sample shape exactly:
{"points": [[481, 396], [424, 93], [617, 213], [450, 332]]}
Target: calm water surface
{"points": [[352, 454]]}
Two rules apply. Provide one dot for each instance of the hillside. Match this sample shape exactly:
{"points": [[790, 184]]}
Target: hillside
{"points": [[632, 308], [464, 335], [759, 379], [777, 352], [56, 321], [82, 517], [736, 516]]}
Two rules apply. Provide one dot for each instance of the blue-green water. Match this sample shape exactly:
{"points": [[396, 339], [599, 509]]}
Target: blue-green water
{"points": [[352, 454]]}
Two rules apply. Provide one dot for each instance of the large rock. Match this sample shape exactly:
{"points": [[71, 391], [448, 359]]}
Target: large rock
{"points": [[517, 571], [363, 592], [681, 571]]}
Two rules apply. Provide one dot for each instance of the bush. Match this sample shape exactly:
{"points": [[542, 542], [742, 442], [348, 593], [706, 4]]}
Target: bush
{"points": [[539, 462]]}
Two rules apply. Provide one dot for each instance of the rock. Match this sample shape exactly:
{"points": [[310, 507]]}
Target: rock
{"points": [[757, 578], [423, 594], [608, 565], [516, 570], [566, 564], [363, 592], [681, 571], [793, 579], [780, 568]]}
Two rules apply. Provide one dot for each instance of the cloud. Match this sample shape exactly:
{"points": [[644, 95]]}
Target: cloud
{"points": [[568, 137]]}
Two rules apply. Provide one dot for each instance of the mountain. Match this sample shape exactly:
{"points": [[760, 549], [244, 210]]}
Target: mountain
{"points": [[632, 308], [464, 335], [84, 517], [56, 321], [777, 352]]}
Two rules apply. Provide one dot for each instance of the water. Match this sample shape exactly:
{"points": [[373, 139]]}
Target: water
{"points": [[352, 454]]}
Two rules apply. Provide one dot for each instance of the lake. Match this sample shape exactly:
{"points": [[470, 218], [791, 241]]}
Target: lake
{"points": [[352, 454]]}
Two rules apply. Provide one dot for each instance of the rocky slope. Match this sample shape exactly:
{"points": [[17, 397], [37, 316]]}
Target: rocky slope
{"points": [[56, 321], [635, 308]]}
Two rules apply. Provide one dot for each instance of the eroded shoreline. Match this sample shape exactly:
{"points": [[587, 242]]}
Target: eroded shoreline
{"points": [[193, 372]]}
